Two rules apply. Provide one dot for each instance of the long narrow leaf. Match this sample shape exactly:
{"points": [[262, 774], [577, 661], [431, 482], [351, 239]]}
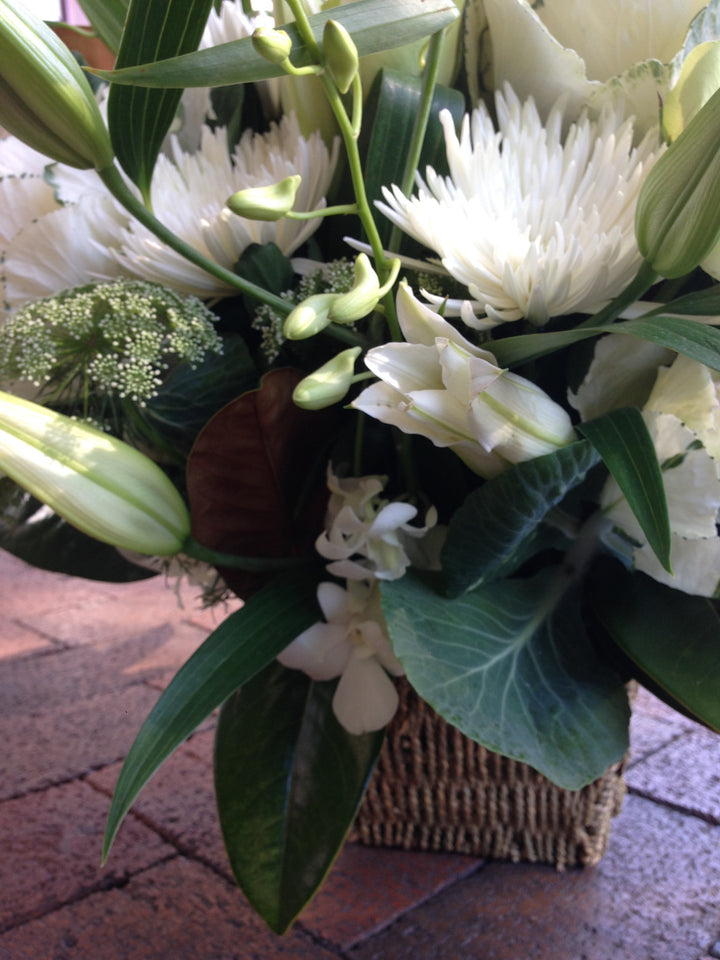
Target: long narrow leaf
{"points": [[700, 303], [107, 18], [288, 780], [374, 25], [626, 447], [138, 119], [241, 646]]}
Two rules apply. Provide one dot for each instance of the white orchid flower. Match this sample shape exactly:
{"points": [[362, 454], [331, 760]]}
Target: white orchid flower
{"points": [[592, 52], [441, 386]]}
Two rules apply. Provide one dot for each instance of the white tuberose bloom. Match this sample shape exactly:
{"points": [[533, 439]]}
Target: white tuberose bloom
{"points": [[591, 51], [352, 644], [441, 386], [535, 226], [367, 536]]}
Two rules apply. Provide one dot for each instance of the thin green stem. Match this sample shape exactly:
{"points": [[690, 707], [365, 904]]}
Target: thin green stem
{"points": [[305, 30], [216, 558], [341, 208], [112, 179]]}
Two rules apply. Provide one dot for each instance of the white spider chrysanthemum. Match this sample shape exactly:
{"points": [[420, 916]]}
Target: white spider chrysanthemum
{"points": [[189, 193], [533, 224]]}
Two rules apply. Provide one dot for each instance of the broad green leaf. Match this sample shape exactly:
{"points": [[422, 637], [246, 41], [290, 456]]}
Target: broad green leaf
{"points": [[672, 639], [374, 25], [396, 104], [243, 645], [625, 445], [512, 667], [107, 18], [699, 303], [492, 527], [138, 119], [696, 340], [288, 780]]}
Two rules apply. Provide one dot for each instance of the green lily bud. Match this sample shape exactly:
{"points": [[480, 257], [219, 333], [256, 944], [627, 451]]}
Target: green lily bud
{"points": [[309, 317], [361, 298], [677, 219], [273, 45], [99, 484], [698, 80], [329, 383], [341, 56], [266, 203], [45, 99]]}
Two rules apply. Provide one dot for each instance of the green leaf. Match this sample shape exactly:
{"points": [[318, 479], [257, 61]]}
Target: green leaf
{"points": [[288, 780], [492, 527], [138, 119], [374, 25], [107, 18], [396, 104], [699, 303], [512, 667], [243, 645], [673, 640], [626, 447], [696, 340]]}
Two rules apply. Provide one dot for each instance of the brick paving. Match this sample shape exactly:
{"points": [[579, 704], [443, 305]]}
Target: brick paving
{"points": [[81, 664]]}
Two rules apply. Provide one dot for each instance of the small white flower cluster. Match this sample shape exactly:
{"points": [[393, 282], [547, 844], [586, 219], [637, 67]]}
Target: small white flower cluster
{"points": [[366, 540], [119, 337]]}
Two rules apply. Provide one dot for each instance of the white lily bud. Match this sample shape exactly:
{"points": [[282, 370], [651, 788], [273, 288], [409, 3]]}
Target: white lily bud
{"points": [[329, 383], [99, 484], [268, 203]]}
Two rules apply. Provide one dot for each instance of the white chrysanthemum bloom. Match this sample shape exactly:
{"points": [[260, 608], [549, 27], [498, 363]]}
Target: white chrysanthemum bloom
{"points": [[189, 193], [533, 224], [681, 408], [368, 536], [351, 644]]}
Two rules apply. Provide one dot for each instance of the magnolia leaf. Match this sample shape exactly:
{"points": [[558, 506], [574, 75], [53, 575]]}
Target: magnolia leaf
{"points": [[626, 447], [672, 639], [288, 781], [492, 527], [256, 476], [374, 25], [515, 671], [107, 18], [139, 119], [394, 106], [243, 645], [699, 341]]}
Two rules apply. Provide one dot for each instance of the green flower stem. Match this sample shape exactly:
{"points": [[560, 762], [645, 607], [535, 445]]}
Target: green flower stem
{"points": [[341, 208], [644, 279], [430, 73], [196, 551], [305, 30], [345, 335], [112, 179]]}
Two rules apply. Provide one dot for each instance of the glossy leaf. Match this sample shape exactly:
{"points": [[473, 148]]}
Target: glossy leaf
{"points": [[699, 303], [374, 25], [397, 101], [288, 780], [672, 639], [107, 18], [493, 525], [256, 476], [512, 667], [243, 645], [696, 340], [139, 119], [622, 440]]}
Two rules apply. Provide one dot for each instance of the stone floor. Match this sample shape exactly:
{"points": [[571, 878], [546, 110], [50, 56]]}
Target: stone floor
{"points": [[82, 663]]}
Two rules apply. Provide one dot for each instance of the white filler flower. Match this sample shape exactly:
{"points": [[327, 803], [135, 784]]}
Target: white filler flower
{"points": [[535, 226]]}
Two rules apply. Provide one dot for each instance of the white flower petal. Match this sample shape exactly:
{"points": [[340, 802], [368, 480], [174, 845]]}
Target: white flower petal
{"points": [[365, 699], [322, 651]]}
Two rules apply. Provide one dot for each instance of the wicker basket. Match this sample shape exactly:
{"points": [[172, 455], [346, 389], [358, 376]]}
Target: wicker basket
{"points": [[433, 789]]}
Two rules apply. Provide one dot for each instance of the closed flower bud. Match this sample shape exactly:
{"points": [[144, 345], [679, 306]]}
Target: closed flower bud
{"points": [[45, 100], [677, 219], [341, 56], [309, 317], [698, 80], [272, 202], [361, 298], [273, 45], [99, 484], [329, 383]]}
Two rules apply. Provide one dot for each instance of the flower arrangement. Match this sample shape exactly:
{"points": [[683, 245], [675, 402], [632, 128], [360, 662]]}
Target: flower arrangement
{"points": [[399, 321]]}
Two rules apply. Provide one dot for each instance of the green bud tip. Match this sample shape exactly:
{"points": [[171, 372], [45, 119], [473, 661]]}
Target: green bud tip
{"points": [[329, 384], [361, 298], [309, 317], [272, 202], [341, 56], [274, 45]]}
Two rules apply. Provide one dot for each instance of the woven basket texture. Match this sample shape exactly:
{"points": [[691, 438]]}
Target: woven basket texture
{"points": [[434, 789]]}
